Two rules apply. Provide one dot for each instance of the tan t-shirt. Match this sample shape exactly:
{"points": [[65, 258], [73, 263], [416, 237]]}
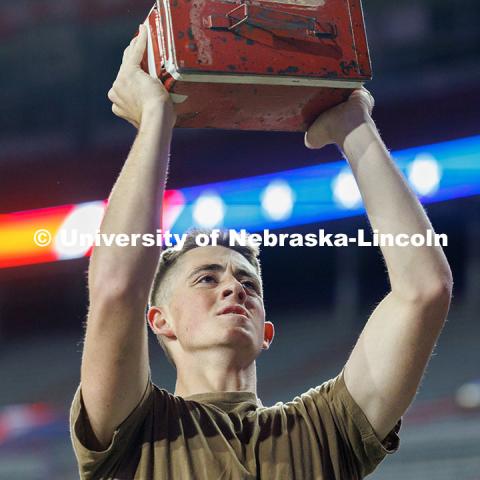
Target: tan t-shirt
{"points": [[321, 435]]}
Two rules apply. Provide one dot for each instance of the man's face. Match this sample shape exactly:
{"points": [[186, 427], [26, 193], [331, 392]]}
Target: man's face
{"points": [[205, 282]]}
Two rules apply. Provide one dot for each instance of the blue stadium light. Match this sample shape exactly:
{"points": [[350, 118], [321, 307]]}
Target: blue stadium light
{"points": [[277, 200], [424, 174], [345, 190], [323, 192], [209, 210]]}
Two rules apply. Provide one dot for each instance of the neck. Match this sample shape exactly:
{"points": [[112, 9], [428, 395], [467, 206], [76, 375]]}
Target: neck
{"points": [[202, 376]]}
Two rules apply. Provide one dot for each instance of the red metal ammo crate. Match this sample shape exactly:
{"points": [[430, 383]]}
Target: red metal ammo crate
{"points": [[257, 65]]}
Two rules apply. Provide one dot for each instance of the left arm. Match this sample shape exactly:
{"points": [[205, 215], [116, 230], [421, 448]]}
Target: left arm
{"points": [[386, 366]]}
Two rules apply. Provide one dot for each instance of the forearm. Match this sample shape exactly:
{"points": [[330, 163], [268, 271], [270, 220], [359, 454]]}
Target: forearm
{"points": [[393, 208], [135, 206]]}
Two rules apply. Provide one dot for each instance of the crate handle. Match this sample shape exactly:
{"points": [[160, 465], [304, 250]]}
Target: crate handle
{"points": [[268, 22]]}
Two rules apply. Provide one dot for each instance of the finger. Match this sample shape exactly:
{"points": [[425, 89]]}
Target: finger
{"points": [[112, 95], [312, 144], [118, 86], [306, 140], [128, 50], [371, 100], [138, 48], [315, 136], [121, 104], [115, 96], [363, 89], [118, 111], [368, 99]]}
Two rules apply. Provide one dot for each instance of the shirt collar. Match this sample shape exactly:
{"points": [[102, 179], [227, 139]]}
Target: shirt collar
{"points": [[227, 397]]}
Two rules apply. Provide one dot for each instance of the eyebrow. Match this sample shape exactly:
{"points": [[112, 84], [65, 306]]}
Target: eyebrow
{"points": [[216, 267]]}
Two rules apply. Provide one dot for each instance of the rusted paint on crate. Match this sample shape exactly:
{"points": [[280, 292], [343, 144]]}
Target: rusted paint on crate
{"points": [[203, 42], [290, 69]]}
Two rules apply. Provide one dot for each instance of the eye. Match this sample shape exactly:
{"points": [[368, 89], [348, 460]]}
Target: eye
{"points": [[250, 284], [207, 279]]}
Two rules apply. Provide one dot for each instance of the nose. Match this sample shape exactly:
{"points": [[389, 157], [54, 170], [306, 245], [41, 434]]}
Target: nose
{"points": [[235, 288]]}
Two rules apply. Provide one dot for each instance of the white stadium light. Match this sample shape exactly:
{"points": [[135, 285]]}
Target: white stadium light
{"points": [[424, 173], [83, 221], [209, 210], [345, 190], [277, 200], [468, 395]]}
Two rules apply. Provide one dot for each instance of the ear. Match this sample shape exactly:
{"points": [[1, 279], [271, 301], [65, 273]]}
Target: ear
{"points": [[158, 322], [269, 333]]}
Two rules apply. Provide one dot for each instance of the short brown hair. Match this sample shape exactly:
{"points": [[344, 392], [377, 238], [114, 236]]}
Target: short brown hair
{"points": [[170, 256]]}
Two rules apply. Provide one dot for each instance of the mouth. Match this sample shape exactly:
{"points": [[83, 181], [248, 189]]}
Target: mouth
{"points": [[235, 309]]}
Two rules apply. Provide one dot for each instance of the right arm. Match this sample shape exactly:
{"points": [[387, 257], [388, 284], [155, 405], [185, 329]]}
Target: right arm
{"points": [[115, 369]]}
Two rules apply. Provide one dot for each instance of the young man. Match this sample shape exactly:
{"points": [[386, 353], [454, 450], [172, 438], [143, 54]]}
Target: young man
{"points": [[207, 311]]}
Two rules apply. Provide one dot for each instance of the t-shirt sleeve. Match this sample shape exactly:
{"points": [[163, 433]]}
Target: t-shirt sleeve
{"points": [[98, 464], [359, 440]]}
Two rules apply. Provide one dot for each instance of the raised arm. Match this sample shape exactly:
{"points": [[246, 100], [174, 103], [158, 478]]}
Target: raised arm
{"points": [[386, 366], [115, 368]]}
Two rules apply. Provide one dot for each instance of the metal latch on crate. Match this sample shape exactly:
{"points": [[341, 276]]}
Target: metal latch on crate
{"points": [[264, 25]]}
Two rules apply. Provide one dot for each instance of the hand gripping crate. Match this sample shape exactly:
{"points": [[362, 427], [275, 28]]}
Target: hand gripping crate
{"points": [[256, 65]]}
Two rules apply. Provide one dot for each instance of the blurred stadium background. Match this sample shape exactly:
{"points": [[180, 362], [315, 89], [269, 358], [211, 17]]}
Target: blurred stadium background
{"points": [[61, 149]]}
